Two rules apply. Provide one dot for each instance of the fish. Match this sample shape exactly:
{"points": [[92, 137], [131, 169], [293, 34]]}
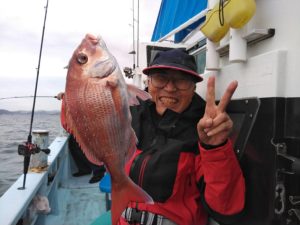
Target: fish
{"points": [[97, 113]]}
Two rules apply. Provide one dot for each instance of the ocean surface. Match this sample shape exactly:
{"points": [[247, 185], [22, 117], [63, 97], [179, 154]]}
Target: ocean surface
{"points": [[14, 130]]}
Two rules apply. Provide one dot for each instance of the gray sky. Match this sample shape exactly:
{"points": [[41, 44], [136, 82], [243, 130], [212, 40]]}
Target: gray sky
{"points": [[68, 21]]}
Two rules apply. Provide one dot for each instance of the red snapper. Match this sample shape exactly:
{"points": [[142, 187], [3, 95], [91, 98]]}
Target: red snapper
{"points": [[97, 114]]}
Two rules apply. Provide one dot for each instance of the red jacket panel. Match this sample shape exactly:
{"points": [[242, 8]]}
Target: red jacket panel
{"points": [[224, 190]]}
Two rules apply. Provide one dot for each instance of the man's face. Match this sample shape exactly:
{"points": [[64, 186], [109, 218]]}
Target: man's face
{"points": [[171, 89]]}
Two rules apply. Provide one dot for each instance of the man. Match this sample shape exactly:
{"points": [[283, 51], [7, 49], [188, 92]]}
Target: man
{"points": [[184, 158]]}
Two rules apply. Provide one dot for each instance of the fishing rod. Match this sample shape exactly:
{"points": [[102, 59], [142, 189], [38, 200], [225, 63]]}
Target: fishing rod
{"points": [[28, 148], [29, 96]]}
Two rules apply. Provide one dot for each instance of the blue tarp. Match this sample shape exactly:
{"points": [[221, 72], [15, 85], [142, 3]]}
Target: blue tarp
{"points": [[173, 13]]}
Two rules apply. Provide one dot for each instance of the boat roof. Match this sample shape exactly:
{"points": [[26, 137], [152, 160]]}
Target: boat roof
{"points": [[174, 13]]}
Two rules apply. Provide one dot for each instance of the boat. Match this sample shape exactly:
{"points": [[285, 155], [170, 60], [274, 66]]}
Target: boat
{"points": [[256, 43], [252, 41], [62, 198]]}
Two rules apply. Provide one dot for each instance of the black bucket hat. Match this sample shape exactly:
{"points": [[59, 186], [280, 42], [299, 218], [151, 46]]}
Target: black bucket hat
{"points": [[176, 59]]}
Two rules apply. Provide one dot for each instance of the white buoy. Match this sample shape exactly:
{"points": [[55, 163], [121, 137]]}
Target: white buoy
{"points": [[41, 139]]}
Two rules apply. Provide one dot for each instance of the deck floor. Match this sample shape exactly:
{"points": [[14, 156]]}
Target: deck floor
{"points": [[79, 203]]}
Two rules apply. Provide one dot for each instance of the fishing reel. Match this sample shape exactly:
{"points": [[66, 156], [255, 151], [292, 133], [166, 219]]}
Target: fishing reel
{"points": [[28, 149], [128, 72]]}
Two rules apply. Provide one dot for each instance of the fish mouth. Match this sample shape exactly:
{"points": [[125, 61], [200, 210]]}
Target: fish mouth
{"points": [[166, 100]]}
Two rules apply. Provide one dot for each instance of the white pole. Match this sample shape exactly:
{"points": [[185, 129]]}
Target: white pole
{"points": [[212, 56], [237, 46]]}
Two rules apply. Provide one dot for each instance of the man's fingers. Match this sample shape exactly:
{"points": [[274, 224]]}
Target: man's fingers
{"points": [[225, 126], [222, 120], [227, 96], [210, 93], [204, 125], [60, 95]]}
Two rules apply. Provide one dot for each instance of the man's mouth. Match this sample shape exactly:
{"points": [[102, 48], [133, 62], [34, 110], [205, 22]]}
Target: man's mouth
{"points": [[168, 100]]}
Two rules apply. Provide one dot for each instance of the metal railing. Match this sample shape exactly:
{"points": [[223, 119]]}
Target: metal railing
{"points": [[16, 205]]}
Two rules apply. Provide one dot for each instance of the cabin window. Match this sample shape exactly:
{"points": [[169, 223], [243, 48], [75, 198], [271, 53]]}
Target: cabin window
{"points": [[201, 61], [153, 50], [199, 52]]}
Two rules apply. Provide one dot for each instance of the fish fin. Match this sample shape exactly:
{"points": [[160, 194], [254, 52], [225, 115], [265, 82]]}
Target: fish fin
{"points": [[63, 115], [120, 198], [112, 81], [136, 93]]}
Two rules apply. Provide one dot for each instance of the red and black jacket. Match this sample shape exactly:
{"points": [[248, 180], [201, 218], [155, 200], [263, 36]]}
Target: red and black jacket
{"points": [[186, 181]]}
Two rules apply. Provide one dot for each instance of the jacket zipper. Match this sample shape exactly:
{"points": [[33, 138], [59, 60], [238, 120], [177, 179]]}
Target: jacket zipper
{"points": [[142, 170]]}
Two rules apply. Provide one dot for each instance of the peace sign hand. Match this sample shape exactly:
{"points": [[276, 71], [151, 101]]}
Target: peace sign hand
{"points": [[215, 126]]}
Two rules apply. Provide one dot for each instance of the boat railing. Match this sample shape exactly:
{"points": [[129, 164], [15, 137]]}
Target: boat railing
{"points": [[17, 206]]}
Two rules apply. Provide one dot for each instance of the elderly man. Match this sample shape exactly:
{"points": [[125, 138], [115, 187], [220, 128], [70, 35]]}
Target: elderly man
{"points": [[184, 159]]}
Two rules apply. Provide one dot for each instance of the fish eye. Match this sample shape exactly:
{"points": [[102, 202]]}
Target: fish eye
{"points": [[82, 58]]}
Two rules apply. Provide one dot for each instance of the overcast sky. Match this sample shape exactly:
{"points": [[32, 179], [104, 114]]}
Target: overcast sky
{"points": [[68, 21]]}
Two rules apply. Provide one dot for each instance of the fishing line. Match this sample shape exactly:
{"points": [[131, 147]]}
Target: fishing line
{"points": [[28, 148], [29, 96]]}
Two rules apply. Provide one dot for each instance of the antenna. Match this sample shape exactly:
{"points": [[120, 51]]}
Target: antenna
{"points": [[133, 39], [138, 34]]}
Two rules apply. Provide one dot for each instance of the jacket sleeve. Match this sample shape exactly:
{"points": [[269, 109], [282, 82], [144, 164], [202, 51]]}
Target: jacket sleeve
{"points": [[222, 183]]}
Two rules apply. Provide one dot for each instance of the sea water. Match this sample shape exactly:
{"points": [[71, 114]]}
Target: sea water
{"points": [[14, 130]]}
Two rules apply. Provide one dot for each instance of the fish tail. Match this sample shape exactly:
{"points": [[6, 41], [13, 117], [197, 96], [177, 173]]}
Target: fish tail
{"points": [[130, 192]]}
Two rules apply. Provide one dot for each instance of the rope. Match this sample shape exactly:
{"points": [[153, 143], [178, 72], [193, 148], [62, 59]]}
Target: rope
{"points": [[221, 12]]}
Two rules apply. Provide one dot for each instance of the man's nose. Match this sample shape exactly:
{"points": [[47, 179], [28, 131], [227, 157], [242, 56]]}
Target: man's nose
{"points": [[170, 86]]}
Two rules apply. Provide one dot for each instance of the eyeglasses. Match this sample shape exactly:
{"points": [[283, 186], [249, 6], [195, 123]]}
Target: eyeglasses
{"points": [[161, 80]]}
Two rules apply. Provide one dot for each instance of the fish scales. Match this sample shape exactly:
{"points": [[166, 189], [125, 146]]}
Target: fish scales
{"points": [[97, 113], [99, 104], [109, 119]]}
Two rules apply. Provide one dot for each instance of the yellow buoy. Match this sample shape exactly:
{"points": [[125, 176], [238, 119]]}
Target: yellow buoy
{"points": [[212, 28], [238, 12]]}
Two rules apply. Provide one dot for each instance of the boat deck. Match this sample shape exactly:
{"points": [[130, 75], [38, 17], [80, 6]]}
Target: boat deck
{"points": [[79, 203], [73, 200]]}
